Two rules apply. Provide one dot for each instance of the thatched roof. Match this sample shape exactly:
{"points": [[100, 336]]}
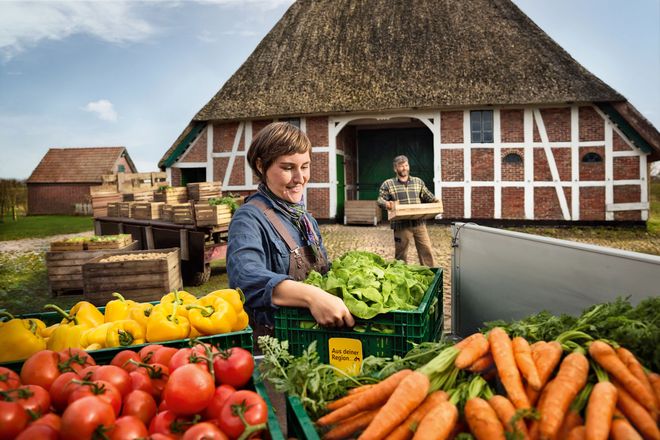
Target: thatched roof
{"points": [[78, 165], [334, 56]]}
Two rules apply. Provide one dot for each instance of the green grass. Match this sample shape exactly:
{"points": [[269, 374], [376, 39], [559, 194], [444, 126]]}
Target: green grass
{"points": [[653, 223], [37, 226]]}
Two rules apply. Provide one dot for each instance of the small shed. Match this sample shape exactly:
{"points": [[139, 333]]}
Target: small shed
{"points": [[64, 176]]}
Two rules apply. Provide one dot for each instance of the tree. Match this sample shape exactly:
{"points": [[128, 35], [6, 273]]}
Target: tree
{"points": [[13, 197]]}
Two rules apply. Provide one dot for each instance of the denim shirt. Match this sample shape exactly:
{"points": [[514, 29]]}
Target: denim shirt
{"points": [[258, 258]]}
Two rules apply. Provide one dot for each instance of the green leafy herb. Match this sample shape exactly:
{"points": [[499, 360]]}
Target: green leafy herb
{"points": [[225, 200]]}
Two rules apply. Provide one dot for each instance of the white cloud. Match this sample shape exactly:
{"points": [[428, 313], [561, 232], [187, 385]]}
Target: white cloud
{"points": [[23, 24], [103, 108]]}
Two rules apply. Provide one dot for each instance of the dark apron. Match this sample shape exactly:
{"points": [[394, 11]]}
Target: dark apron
{"points": [[302, 261]]}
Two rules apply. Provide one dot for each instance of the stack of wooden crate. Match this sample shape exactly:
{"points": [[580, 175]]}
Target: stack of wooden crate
{"points": [[126, 209], [183, 213], [147, 210], [101, 196], [139, 195], [362, 212], [113, 209], [170, 195], [210, 215], [203, 191]]}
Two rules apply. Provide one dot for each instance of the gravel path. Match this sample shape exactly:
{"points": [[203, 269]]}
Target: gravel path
{"points": [[36, 244]]}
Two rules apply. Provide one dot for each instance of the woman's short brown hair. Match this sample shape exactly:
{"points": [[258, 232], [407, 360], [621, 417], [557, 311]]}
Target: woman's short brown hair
{"points": [[275, 140]]}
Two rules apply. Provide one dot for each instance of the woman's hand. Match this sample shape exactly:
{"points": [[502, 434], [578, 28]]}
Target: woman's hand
{"points": [[327, 309]]}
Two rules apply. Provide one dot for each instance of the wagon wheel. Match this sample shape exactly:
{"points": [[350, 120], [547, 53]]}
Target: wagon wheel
{"points": [[203, 277]]}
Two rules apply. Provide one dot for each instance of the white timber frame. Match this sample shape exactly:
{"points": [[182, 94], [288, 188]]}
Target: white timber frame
{"points": [[532, 116]]}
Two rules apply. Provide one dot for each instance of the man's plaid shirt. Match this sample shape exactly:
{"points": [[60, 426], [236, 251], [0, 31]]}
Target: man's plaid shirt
{"points": [[412, 191]]}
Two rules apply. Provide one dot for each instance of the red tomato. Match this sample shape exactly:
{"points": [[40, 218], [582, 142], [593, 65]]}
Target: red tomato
{"points": [[13, 419], [162, 355], [140, 381], [85, 417], [147, 351], [8, 379], [75, 359], [162, 406], [62, 388], [255, 412], [41, 432], [168, 423], [204, 431], [122, 359], [186, 356], [33, 398], [115, 375], [50, 419], [220, 396], [101, 389], [189, 390], [234, 367], [128, 427], [159, 375], [159, 436], [86, 373], [41, 369], [140, 404]]}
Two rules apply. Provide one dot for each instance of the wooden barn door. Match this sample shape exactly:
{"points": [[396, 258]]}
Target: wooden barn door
{"points": [[377, 148]]}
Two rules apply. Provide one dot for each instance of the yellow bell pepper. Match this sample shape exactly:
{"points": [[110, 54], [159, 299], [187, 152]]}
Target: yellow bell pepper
{"points": [[242, 321], [118, 309], [19, 340], [167, 326], [66, 336], [95, 335], [211, 315], [179, 297], [87, 314], [139, 312], [234, 297], [124, 333], [40, 326], [48, 331], [93, 347], [194, 333]]}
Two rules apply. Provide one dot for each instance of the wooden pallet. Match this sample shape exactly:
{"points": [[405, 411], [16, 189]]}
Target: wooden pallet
{"points": [[171, 195], [65, 268], [202, 191], [147, 210], [139, 280], [362, 212], [414, 211], [210, 215]]}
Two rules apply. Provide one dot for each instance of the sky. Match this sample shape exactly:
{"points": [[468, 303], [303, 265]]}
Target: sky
{"points": [[134, 73]]}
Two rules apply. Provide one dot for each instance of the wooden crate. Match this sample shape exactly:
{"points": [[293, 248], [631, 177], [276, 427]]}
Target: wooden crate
{"points": [[202, 191], [166, 212], [65, 268], [183, 214], [113, 209], [101, 197], [126, 209], [210, 215], [139, 195], [139, 280], [414, 211], [362, 212], [147, 210], [67, 246], [171, 195], [122, 241]]}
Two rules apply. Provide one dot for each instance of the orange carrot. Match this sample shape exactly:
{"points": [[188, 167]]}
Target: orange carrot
{"points": [[406, 430], [600, 409], [438, 423], [482, 364], [637, 414], [523, 355], [606, 357], [482, 420], [654, 378], [505, 412], [407, 396], [350, 426], [570, 379], [571, 420], [577, 433], [370, 399], [465, 342], [336, 404], [472, 351], [534, 424], [502, 350], [359, 389], [546, 358], [622, 430], [630, 361]]}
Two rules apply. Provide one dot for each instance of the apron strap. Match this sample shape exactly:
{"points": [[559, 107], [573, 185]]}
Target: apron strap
{"points": [[277, 224]]}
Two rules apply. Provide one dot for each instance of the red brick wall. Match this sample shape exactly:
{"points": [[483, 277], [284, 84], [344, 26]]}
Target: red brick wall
{"points": [[513, 172], [452, 201], [513, 203], [562, 158], [56, 198], [592, 203], [627, 194], [197, 153], [319, 169], [557, 123], [619, 144], [259, 125], [626, 167], [220, 168], [123, 161], [451, 127], [317, 131], [223, 137], [483, 202], [592, 171], [452, 165], [546, 206], [237, 172], [512, 126], [176, 176], [482, 164], [318, 202], [592, 126]]}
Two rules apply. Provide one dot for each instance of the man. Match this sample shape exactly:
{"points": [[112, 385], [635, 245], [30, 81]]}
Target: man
{"points": [[407, 189]]}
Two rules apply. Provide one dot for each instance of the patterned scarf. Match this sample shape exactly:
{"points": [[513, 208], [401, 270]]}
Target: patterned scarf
{"points": [[296, 213]]}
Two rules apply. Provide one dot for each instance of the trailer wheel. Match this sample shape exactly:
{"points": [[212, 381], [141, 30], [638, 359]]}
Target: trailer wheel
{"points": [[200, 278]]}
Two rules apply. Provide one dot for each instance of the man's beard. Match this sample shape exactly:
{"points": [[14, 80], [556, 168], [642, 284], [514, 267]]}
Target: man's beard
{"points": [[402, 173]]}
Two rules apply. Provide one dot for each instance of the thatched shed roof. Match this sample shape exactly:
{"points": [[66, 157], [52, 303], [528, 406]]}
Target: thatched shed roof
{"points": [[334, 56], [78, 165]]}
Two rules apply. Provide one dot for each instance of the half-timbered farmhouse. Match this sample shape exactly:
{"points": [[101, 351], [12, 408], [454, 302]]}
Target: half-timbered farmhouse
{"points": [[495, 116]]}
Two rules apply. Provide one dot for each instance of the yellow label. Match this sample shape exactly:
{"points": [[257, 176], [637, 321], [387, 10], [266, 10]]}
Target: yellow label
{"points": [[346, 354]]}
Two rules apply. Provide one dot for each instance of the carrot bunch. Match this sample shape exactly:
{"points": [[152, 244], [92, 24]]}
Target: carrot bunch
{"points": [[572, 387]]}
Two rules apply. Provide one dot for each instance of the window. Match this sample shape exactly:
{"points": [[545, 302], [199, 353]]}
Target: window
{"points": [[592, 158], [481, 126], [121, 168], [512, 158], [293, 121]]}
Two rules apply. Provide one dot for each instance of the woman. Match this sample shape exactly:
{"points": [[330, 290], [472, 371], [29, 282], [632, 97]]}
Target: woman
{"points": [[273, 241]]}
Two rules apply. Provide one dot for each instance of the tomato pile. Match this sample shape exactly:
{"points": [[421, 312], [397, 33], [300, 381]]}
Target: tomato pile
{"points": [[157, 393]]}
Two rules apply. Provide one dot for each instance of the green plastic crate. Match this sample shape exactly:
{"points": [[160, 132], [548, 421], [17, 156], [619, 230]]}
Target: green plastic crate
{"points": [[274, 428], [298, 423], [404, 328], [242, 338]]}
